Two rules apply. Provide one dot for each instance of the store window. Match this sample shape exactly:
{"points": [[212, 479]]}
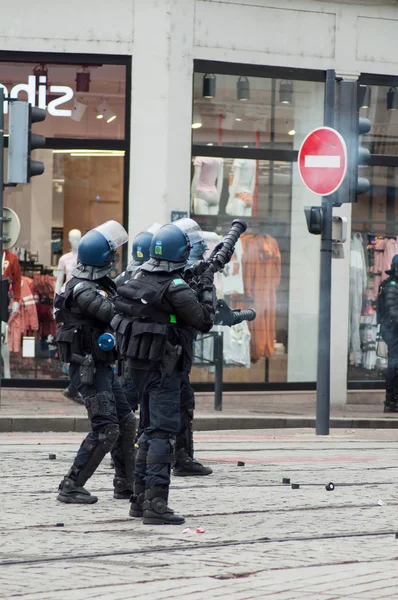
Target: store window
{"points": [[246, 130], [85, 158]]}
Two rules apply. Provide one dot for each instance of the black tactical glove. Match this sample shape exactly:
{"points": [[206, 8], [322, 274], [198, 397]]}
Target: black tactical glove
{"points": [[217, 248], [207, 277], [198, 268], [224, 314]]}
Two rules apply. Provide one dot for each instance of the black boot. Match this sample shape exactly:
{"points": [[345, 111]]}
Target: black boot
{"points": [[137, 500], [122, 488], [70, 492], [186, 466], [156, 511], [390, 403]]}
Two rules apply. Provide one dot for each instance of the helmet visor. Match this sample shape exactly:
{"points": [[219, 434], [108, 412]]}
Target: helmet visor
{"points": [[191, 229], [114, 233]]}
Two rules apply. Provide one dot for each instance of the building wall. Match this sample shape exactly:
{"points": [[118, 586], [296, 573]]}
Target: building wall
{"points": [[164, 37]]}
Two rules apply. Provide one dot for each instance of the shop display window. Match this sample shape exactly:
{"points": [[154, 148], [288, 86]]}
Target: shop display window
{"points": [[87, 140], [246, 131], [374, 237]]}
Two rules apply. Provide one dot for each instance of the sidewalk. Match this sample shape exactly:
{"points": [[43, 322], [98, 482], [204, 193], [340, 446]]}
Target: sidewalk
{"points": [[48, 410]]}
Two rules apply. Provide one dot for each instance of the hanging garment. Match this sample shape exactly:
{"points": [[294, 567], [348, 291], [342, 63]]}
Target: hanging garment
{"points": [[43, 292], [358, 282], [379, 266], [261, 276], [12, 271], [25, 320], [233, 273], [236, 345], [369, 334]]}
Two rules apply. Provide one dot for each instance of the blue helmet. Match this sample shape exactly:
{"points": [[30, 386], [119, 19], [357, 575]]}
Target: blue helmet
{"points": [[97, 247], [170, 243], [394, 259], [142, 245], [197, 251]]}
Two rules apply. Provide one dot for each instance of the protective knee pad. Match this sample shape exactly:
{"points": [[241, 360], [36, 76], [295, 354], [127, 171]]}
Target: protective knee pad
{"points": [[101, 404], [108, 437]]}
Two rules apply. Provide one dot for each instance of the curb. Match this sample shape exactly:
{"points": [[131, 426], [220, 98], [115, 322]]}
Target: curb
{"points": [[201, 423]]}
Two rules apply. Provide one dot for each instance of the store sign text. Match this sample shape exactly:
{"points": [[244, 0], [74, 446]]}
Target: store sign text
{"points": [[64, 94]]}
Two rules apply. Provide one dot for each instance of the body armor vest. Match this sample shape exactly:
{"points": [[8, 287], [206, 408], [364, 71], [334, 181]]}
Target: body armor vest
{"points": [[78, 333], [145, 328]]}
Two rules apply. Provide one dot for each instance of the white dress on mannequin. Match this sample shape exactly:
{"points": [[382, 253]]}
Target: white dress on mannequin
{"points": [[207, 185], [243, 174], [67, 262]]}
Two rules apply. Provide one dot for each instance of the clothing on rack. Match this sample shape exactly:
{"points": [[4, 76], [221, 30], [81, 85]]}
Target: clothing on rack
{"points": [[12, 271], [358, 283], [261, 277], [236, 345], [25, 321], [43, 291], [232, 281]]}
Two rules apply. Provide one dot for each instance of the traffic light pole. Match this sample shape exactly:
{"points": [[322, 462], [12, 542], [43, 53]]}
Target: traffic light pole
{"points": [[325, 286]]}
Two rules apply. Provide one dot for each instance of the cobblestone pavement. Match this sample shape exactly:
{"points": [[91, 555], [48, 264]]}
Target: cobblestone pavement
{"points": [[262, 538]]}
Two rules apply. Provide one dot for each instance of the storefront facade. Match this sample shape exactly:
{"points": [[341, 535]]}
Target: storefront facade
{"points": [[266, 64]]}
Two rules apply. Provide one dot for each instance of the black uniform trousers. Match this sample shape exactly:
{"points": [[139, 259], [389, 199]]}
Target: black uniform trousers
{"points": [[159, 422], [111, 412], [187, 407]]}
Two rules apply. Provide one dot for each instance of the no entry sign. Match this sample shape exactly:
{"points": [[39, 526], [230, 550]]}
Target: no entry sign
{"points": [[322, 161]]}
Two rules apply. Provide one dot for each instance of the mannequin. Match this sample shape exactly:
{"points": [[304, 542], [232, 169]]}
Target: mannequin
{"points": [[68, 261], [11, 270], [207, 185], [242, 183]]}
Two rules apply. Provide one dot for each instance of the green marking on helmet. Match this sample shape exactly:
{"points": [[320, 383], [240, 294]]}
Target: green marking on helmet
{"points": [[173, 319], [158, 249]]}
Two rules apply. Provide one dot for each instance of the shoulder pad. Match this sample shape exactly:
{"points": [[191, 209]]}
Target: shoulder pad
{"points": [[178, 282], [84, 285]]}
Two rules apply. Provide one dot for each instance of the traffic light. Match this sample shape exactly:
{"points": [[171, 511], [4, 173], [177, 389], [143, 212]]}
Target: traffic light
{"points": [[22, 141], [314, 218], [352, 126]]}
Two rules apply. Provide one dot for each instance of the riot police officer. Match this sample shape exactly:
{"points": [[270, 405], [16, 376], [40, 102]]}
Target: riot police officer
{"points": [[140, 254], [387, 316], [84, 311], [160, 315]]}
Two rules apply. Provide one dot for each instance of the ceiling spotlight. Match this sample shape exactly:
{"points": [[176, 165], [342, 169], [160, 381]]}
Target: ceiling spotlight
{"points": [[392, 99], [78, 111], [83, 80], [364, 96], [209, 86], [104, 111], [243, 88], [286, 92], [196, 121], [292, 132], [238, 119]]}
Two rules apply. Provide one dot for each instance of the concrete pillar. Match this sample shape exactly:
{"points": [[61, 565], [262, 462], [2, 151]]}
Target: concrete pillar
{"points": [[161, 111], [340, 311], [305, 249]]}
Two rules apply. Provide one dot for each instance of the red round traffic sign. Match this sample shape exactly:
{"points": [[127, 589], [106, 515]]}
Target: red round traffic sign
{"points": [[322, 160]]}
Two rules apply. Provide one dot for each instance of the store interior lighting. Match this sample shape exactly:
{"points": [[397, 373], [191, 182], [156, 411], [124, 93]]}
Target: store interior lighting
{"points": [[392, 99], [285, 92], [196, 121], [243, 89], [83, 80], [78, 111], [104, 111], [292, 132], [90, 152], [209, 86], [365, 96]]}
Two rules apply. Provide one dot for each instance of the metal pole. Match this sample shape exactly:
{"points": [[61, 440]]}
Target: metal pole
{"points": [[218, 376], [2, 299], [325, 286]]}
